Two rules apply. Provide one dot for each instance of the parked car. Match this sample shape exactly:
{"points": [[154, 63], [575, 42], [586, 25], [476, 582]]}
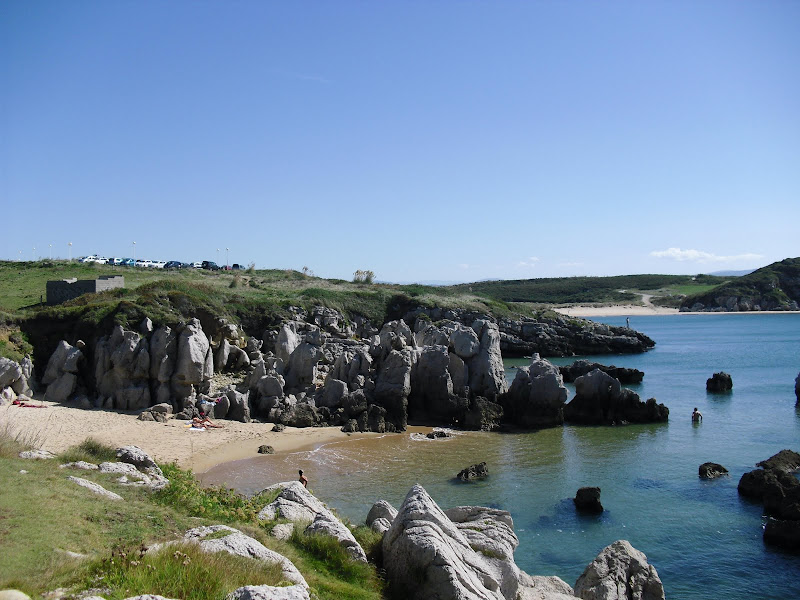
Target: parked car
{"points": [[115, 261], [237, 267], [174, 264], [158, 264], [127, 262], [196, 265], [88, 259], [143, 262], [209, 265]]}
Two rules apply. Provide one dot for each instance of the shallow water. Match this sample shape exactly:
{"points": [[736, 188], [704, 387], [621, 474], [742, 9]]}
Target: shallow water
{"points": [[702, 538]]}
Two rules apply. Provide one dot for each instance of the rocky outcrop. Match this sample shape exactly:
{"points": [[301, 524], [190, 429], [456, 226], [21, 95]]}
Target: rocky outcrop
{"points": [[476, 471], [61, 374], [581, 367], [536, 397], [587, 500], [719, 383], [710, 470], [427, 556], [620, 572], [15, 377], [295, 503], [467, 552], [776, 486], [601, 400]]}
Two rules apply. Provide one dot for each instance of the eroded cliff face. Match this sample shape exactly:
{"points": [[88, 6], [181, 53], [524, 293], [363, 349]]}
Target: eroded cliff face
{"points": [[321, 368]]}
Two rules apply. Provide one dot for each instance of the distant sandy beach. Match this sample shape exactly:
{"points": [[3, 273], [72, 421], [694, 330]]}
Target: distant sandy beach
{"points": [[58, 427], [621, 310]]}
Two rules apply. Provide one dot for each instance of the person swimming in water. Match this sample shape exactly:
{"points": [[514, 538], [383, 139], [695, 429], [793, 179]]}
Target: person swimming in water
{"points": [[697, 416]]}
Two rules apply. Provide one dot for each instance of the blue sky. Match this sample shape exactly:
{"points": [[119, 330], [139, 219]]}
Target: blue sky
{"points": [[422, 140]]}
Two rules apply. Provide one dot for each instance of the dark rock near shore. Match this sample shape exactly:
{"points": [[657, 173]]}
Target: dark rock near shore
{"points": [[719, 383], [476, 471], [266, 449], [581, 367], [587, 500], [601, 400], [783, 533], [785, 460], [438, 434], [278, 427], [712, 470], [482, 415], [536, 397]]}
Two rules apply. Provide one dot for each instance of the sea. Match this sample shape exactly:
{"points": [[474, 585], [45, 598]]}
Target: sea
{"points": [[704, 540]]}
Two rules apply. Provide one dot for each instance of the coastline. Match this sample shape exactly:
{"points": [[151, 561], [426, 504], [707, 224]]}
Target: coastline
{"points": [[629, 310], [58, 427]]}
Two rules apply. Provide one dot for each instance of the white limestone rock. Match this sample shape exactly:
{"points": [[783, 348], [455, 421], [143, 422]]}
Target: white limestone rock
{"points": [[620, 572], [96, 488], [268, 592]]}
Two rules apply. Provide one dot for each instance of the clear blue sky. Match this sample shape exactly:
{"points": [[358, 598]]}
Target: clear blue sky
{"points": [[422, 140]]}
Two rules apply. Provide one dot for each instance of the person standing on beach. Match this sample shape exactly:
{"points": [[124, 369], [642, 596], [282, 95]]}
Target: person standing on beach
{"points": [[303, 479]]}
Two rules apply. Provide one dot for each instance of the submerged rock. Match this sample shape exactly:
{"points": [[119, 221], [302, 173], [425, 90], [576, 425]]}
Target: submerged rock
{"points": [[476, 471], [587, 500]]}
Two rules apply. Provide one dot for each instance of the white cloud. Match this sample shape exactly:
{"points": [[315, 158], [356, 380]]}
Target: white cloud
{"points": [[570, 264], [691, 255], [528, 262]]}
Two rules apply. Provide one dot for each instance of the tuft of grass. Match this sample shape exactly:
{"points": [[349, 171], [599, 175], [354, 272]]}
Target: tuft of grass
{"points": [[177, 571], [90, 450], [211, 502], [328, 555]]}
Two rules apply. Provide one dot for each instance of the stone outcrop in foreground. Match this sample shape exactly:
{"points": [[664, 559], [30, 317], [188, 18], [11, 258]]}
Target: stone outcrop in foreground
{"points": [[467, 553]]}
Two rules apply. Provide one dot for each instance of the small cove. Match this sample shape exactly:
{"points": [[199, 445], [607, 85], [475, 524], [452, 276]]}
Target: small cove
{"points": [[704, 540]]}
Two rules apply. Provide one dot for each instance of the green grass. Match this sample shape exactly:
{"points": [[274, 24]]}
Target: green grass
{"points": [[42, 513], [174, 572]]}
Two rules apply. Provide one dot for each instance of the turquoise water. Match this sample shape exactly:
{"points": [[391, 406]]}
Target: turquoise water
{"points": [[702, 538]]}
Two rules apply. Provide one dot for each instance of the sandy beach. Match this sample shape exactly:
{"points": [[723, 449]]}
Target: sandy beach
{"points": [[617, 310], [57, 428]]}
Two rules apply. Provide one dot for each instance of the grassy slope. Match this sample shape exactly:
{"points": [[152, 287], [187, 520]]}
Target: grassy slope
{"points": [[564, 290], [779, 282], [41, 512]]}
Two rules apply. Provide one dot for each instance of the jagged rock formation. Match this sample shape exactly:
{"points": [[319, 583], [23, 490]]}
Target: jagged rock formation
{"points": [[554, 335], [15, 378], [295, 503], [774, 287], [620, 572], [309, 371], [536, 397], [601, 400], [467, 552], [775, 485], [719, 383], [581, 367]]}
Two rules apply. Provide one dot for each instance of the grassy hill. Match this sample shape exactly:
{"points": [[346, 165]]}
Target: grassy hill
{"points": [[259, 299], [570, 290], [774, 287]]}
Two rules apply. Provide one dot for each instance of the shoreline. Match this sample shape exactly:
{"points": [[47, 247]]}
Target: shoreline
{"points": [[57, 427], [629, 310]]}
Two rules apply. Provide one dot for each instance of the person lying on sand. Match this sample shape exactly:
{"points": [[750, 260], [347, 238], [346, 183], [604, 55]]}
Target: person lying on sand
{"points": [[27, 404], [203, 421]]}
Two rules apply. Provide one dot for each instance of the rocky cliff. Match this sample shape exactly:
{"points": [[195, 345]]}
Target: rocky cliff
{"points": [[774, 287]]}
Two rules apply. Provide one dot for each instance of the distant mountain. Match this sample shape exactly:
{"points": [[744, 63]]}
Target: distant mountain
{"points": [[774, 287], [731, 273]]}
